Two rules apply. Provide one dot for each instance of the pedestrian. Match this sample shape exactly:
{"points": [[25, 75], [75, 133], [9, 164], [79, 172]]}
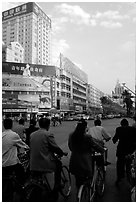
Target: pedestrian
{"points": [[20, 129], [81, 146], [125, 135], [101, 135], [32, 128], [10, 162]]}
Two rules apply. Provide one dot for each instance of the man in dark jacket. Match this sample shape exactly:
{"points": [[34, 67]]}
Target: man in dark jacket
{"points": [[32, 128], [126, 137], [42, 149]]}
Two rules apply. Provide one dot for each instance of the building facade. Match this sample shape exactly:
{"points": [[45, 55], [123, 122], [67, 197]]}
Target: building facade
{"points": [[117, 93], [31, 27], [73, 86], [94, 102], [13, 53]]}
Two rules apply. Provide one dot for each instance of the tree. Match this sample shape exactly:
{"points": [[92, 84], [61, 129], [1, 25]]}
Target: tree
{"points": [[128, 102]]}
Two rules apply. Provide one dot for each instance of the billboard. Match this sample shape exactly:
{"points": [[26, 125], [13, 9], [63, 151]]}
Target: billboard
{"points": [[28, 69], [26, 101], [22, 83], [28, 91]]}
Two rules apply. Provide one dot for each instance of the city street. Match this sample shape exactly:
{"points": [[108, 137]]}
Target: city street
{"points": [[112, 193]]}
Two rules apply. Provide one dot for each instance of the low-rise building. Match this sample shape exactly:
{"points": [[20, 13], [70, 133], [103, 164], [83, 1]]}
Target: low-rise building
{"points": [[14, 52]]}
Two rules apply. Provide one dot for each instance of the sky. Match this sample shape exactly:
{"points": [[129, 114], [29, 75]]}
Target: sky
{"points": [[99, 37]]}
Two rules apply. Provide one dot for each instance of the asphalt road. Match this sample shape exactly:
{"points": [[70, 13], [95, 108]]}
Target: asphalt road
{"points": [[112, 193]]}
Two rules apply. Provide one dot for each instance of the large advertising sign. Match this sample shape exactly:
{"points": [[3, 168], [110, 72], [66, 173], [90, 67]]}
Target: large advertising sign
{"points": [[22, 83], [24, 9], [28, 69], [38, 89], [19, 10], [26, 101]]}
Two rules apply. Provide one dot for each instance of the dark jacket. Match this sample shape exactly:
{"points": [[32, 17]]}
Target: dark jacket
{"points": [[28, 132], [126, 138], [42, 149], [81, 156]]}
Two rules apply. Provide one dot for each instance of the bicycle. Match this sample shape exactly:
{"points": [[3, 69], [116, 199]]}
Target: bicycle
{"points": [[93, 186], [12, 190], [39, 189]]}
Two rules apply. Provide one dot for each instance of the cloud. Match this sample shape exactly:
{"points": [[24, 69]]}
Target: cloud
{"points": [[110, 24], [58, 24], [112, 15], [134, 20], [58, 46], [128, 46], [76, 14]]}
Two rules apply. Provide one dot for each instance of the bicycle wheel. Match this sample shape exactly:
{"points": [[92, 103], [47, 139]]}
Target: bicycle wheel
{"points": [[92, 191], [65, 182], [84, 193], [100, 182]]}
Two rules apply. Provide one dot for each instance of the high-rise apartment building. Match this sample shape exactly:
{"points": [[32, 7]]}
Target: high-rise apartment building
{"points": [[31, 27]]}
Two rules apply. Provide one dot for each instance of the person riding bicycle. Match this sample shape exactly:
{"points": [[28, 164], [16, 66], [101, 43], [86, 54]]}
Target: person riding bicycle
{"points": [[42, 152], [125, 135], [101, 135], [10, 144], [32, 128], [20, 129], [81, 146]]}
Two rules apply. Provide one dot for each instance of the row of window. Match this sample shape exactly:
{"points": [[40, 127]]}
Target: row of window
{"points": [[64, 94], [79, 99], [79, 93], [63, 77], [78, 86]]}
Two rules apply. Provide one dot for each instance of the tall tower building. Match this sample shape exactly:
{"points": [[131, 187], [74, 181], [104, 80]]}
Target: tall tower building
{"points": [[31, 27]]}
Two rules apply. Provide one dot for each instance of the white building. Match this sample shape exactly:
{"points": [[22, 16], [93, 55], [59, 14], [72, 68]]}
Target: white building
{"points": [[117, 93], [14, 52], [31, 27], [73, 85], [94, 95]]}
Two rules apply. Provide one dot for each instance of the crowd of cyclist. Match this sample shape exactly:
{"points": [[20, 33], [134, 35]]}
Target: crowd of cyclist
{"points": [[82, 142]]}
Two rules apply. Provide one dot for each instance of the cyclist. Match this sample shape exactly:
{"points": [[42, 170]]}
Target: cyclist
{"points": [[82, 145], [125, 135], [32, 128], [42, 150], [20, 129], [10, 143], [101, 135]]}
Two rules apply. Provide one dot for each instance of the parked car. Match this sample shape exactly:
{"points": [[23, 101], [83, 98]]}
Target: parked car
{"points": [[110, 116], [91, 117], [85, 117], [68, 118]]}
